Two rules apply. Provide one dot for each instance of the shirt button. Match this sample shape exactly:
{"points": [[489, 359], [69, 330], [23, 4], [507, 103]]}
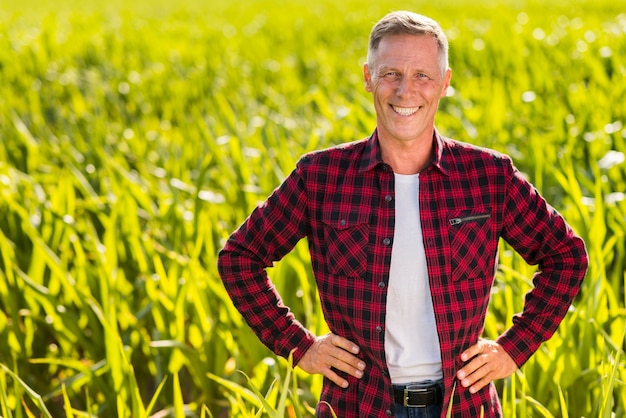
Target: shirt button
{"points": [[388, 198], [342, 222], [388, 412], [386, 241], [379, 329], [382, 285]]}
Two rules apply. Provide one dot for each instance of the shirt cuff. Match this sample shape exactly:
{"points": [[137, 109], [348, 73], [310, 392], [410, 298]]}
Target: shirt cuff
{"points": [[296, 340]]}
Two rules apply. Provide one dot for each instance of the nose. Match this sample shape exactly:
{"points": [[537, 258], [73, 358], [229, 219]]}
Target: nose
{"points": [[404, 87]]}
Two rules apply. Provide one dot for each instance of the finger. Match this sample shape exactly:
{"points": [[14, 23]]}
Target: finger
{"points": [[353, 368], [471, 367], [344, 343], [474, 376], [345, 357], [349, 368], [346, 361], [335, 378], [473, 351], [480, 383]]}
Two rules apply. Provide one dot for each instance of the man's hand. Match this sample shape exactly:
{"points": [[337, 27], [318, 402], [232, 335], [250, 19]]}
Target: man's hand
{"points": [[488, 362], [332, 351]]}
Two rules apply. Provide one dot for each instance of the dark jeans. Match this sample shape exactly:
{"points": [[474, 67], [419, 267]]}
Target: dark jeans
{"points": [[430, 411]]}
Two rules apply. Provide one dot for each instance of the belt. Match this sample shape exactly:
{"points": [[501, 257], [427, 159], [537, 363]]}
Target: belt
{"points": [[419, 397]]}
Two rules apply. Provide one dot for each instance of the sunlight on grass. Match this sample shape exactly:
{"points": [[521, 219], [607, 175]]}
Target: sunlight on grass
{"points": [[135, 136]]}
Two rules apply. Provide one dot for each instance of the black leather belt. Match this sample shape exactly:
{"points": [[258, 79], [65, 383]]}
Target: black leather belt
{"points": [[418, 397]]}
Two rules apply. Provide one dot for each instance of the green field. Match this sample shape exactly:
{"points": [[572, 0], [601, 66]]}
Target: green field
{"points": [[134, 137]]}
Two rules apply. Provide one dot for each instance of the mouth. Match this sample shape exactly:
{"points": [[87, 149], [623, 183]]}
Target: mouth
{"points": [[405, 111]]}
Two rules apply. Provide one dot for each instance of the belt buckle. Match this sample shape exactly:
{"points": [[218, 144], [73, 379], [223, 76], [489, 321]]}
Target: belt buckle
{"points": [[406, 397]]}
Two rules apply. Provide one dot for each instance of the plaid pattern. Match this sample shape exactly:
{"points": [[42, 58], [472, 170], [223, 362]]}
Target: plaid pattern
{"points": [[341, 199]]}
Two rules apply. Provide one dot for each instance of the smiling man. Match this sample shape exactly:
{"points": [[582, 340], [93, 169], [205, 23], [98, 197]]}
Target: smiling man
{"points": [[403, 230], [406, 77]]}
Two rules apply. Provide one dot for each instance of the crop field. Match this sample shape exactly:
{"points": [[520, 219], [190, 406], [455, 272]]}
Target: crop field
{"points": [[136, 136]]}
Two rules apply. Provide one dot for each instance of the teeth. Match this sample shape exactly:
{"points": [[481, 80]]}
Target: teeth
{"points": [[405, 111]]}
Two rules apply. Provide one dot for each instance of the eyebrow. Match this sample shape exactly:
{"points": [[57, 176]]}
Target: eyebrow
{"points": [[422, 70]]}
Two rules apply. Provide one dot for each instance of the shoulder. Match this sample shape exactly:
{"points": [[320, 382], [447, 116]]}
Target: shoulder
{"points": [[337, 155], [461, 154], [457, 147]]}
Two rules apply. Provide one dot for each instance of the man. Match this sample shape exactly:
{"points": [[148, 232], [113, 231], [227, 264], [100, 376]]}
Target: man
{"points": [[403, 230]]}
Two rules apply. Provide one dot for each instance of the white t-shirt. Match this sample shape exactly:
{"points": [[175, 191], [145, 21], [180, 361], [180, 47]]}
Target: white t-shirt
{"points": [[411, 340]]}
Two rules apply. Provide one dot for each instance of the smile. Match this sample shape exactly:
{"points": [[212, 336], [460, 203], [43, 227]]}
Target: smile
{"points": [[405, 111]]}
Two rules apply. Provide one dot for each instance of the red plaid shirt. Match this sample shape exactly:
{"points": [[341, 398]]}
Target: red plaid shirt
{"points": [[342, 200]]}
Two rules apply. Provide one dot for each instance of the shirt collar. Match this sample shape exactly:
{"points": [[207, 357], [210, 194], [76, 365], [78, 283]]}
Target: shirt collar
{"points": [[371, 156], [442, 154]]}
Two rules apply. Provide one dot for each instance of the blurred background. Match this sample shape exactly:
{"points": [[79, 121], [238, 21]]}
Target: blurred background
{"points": [[135, 136]]}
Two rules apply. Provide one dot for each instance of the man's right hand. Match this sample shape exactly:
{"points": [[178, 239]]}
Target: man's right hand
{"points": [[330, 352]]}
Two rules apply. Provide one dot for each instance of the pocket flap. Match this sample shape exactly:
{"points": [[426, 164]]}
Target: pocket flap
{"points": [[343, 219]]}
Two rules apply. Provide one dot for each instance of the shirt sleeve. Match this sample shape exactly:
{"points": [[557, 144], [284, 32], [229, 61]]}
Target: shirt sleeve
{"points": [[542, 237], [270, 232]]}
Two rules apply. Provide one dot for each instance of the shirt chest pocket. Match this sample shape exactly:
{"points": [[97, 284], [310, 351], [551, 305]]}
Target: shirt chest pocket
{"points": [[472, 246], [346, 237]]}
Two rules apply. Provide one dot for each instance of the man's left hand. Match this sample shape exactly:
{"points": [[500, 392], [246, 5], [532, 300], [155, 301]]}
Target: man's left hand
{"points": [[488, 362]]}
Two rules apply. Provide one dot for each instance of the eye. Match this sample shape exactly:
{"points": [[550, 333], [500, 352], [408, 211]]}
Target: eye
{"points": [[421, 75], [391, 74]]}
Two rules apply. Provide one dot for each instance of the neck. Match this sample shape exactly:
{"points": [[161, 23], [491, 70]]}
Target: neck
{"points": [[409, 157]]}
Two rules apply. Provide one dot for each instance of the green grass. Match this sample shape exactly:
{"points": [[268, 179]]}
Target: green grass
{"points": [[135, 137]]}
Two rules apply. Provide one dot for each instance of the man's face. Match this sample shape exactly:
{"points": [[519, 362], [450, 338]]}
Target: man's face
{"points": [[406, 83]]}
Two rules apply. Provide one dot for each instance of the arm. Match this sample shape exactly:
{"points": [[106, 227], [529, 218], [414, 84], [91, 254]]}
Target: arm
{"points": [[541, 236], [270, 232], [267, 235]]}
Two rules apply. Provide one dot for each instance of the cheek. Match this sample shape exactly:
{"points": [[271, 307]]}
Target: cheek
{"points": [[376, 88]]}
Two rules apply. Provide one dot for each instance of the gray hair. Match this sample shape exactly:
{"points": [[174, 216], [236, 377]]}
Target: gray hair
{"points": [[404, 22]]}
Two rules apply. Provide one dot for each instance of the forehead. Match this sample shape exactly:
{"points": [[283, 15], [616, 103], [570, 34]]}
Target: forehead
{"points": [[404, 48]]}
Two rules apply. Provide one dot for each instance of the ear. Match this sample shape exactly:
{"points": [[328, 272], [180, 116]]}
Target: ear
{"points": [[446, 82], [367, 77]]}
